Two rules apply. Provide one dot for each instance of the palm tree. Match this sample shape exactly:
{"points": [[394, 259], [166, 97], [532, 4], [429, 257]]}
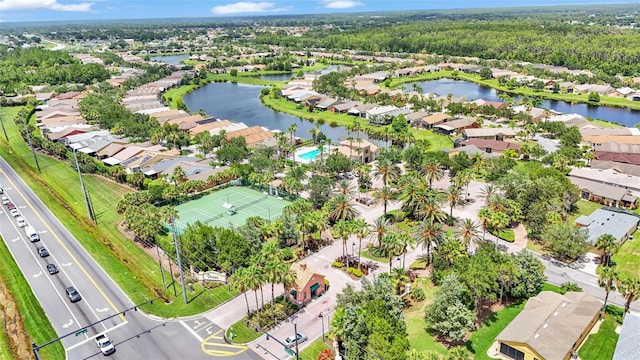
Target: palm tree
{"points": [[607, 279], [453, 197], [343, 229], [427, 233], [430, 209], [488, 190], [386, 171], [463, 179], [407, 242], [630, 290], [484, 215], [253, 281], [345, 187], [399, 278], [341, 208], [379, 229], [467, 232], [239, 281], [391, 246], [384, 195], [292, 130], [498, 221], [362, 230], [432, 171], [607, 244]]}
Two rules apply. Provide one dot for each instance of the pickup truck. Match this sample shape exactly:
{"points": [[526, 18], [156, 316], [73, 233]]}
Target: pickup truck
{"points": [[105, 345]]}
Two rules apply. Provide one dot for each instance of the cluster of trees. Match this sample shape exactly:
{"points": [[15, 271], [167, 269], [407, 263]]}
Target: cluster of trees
{"points": [[20, 68], [468, 283]]}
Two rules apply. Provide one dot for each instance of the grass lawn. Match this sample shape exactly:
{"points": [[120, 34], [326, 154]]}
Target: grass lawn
{"points": [[601, 345], [483, 338], [312, 351], [5, 354], [366, 253], [506, 235], [628, 257], [419, 339], [242, 334], [57, 186], [584, 208]]}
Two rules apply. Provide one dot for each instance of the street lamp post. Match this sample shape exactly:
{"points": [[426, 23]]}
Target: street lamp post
{"points": [[353, 251]]}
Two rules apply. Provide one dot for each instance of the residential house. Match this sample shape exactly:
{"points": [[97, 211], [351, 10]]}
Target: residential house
{"points": [[550, 327], [416, 117], [471, 151], [360, 110], [589, 88], [326, 102], [604, 194], [618, 224], [628, 346], [127, 152], [500, 134], [253, 135], [610, 177], [622, 92], [457, 125], [380, 115], [596, 140], [342, 106], [308, 285], [359, 150], [491, 146], [432, 120], [609, 132]]}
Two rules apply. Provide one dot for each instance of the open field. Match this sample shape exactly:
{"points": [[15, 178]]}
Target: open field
{"points": [[419, 339]]}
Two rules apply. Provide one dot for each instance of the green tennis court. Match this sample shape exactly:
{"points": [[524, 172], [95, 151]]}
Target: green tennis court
{"points": [[214, 209]]}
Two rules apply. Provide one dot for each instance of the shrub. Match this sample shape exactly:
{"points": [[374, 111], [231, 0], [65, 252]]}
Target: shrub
{"points": [[336, 264], [287, 254], [417, 294], [616, 312], [357, 272], [569, 286], [326, 354]]}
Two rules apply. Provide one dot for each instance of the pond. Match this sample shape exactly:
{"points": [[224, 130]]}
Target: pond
{"points": [[473, 91], [241, 103], [170, 59]]}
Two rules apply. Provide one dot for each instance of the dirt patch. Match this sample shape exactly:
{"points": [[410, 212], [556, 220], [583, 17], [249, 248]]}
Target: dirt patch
{"points": [[149, 249], [13, 326]]}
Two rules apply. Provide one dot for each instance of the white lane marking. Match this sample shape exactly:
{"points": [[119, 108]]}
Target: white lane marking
{"points": [[198, 324], [102, 310], [208, 330], [66, 264], [66, 325], [42, 232], [192, 331], [38, 274], [16, 239], [91, 337]]}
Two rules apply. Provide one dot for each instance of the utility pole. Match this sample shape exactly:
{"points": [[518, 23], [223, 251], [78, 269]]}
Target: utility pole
{"points": [[84, 190], [175, 243], [3, 129], [164, 282], [26, 129]]}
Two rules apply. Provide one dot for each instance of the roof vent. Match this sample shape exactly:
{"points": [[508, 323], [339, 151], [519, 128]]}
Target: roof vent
{"points": [[564, 304], [554, 314], [545, 326], [536, 336]]}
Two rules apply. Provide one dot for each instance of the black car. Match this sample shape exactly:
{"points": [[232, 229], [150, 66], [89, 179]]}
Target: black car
{"points": [[52, 269], [73, 294], [43, 251]]}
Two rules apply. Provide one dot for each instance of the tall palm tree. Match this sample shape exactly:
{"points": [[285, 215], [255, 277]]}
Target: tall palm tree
{"points": [[343, 229], [607, 244], [391, 246], [341, 208], [467, 232], [498, 221], [407, 242], [430, 209], [384, 195], [239, 281], [607, 279], [379, 229], [453, 197], [386, 171], [630, 290], [463, 179], [345, 187], [427, 233], [362, 230], [292, 131], [432, 171], [484, 215], [488, 190], [253, 281]]}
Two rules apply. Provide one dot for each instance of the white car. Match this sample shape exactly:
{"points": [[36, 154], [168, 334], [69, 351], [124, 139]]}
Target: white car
{"points": [[14, 212], [21, 221], [5, 200]]}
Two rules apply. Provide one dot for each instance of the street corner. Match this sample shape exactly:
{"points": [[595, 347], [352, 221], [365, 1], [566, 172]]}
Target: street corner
{"points": [[211, 338]]}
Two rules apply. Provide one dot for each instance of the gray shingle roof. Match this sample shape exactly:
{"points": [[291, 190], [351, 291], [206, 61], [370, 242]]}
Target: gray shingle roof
{"points": [[628, 346], [602, 222]]}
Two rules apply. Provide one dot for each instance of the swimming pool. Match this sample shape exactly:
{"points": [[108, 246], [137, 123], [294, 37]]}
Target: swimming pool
{"points": [[308, 154]]}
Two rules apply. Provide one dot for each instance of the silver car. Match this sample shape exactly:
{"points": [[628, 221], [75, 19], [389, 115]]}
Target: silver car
{"points": [[298, 338]]}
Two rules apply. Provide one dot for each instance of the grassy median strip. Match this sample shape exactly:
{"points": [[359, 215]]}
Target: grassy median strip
{"points": [[24, 321]]}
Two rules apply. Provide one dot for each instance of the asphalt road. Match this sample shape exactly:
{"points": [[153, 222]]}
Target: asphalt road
{"points": [[135, 335]]}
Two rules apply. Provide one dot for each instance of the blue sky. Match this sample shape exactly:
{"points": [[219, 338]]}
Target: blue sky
{"points": [[44, 10]]}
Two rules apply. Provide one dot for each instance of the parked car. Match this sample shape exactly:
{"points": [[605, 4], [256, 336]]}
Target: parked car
{"points": [[73, 294], [52, 269], [14, 212], [42, 251], [292, 340], [348, 175], [21, 221], [5, 200]]}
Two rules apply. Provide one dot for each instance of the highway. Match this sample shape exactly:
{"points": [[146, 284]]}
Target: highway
{"points": [[135, 335]]}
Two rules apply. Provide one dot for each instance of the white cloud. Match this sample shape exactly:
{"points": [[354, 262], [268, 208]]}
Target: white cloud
{"points": [[341, 4], [246, 7], [43, 4]]}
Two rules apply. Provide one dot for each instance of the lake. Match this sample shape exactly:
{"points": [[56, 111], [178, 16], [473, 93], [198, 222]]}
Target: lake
{"points": [[473, 91], [169, 59], [241, 103]]}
